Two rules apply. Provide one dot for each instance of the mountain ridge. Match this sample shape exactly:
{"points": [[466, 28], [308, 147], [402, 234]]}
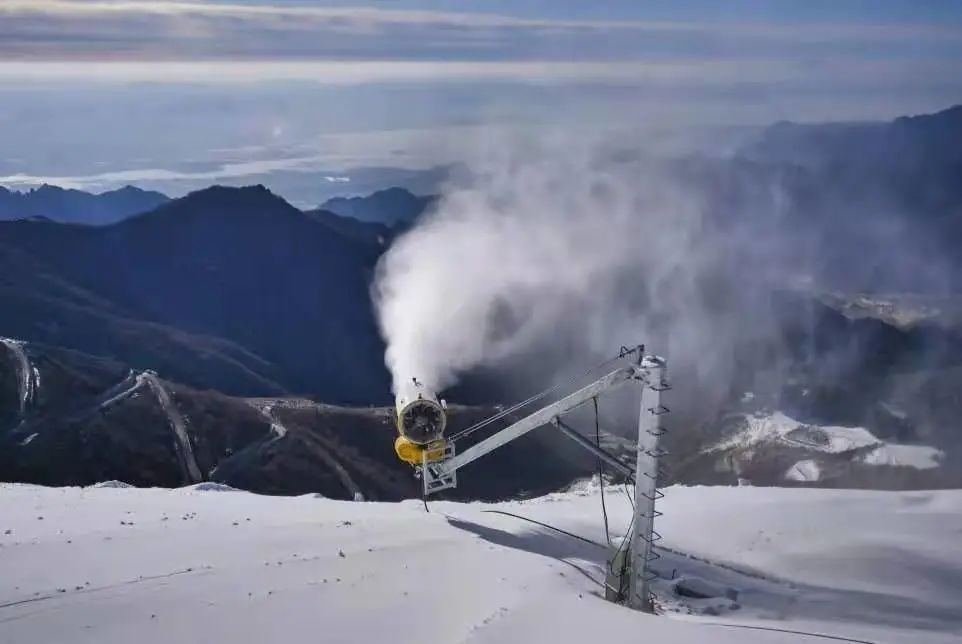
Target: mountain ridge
{"points": [[901, 142], [391, 206], [68, 205]]}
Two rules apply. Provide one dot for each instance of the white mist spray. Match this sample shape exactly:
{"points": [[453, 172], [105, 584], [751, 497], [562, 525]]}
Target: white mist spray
{"points": [[556, 244]]}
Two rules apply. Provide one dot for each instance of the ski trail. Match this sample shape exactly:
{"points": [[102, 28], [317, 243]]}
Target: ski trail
{"points": [[29, 377], [343, 474], [185, 451], [29, 439], [280, 431], [137, 383], [80, 411], [266, 408]]}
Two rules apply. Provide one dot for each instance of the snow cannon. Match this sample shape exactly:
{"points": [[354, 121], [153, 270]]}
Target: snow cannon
{"points": [[421, 418]]}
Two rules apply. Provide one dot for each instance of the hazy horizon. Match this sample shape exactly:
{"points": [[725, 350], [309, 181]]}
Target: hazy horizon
{"points": [[173, 96]]}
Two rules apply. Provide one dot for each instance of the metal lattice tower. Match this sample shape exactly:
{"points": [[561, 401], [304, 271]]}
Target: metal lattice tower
{"points": [[438, 466], [647, 471]]}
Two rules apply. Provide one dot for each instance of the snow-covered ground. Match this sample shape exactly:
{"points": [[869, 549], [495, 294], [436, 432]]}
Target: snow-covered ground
{"points": [[204, 564]]}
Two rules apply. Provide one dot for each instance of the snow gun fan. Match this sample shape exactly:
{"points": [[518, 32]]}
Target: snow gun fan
{"points": [[421, 419]]}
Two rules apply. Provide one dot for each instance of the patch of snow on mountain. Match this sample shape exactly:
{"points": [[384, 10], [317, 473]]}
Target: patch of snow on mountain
{"points": [[779, 427], [29, 439], [858, 442], [921, 457], [806, 471], [36, 381], [833, 439], [759, 428], [112, 484], [25, 371]]}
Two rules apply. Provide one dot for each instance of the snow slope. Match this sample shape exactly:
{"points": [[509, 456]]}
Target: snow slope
{"points": [[921, 457], [805, 471], [760, 428], [777, 428], [113, 564]]}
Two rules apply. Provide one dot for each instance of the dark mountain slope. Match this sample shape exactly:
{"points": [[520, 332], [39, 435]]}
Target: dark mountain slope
{"points": [[77, 206], [41, 305], [89, 419], [239, 264], [372, 233]]}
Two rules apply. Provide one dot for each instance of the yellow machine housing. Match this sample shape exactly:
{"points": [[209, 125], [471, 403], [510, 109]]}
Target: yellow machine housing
{"points": [[413, 453], [421, 418]]}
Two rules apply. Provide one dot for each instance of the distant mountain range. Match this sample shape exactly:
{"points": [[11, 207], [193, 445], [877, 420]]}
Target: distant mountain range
{"points": [[392, 206], [876, 206], [907, 172], [908, 141], [77, 206], [386, 209]]}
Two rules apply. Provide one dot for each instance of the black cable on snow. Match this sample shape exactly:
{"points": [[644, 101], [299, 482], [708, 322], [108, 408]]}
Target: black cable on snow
{"points": [[550, 527], [785, 630]]}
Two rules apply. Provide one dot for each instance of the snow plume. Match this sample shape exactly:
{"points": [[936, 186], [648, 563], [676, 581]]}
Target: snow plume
{"points": [[554, 254]]}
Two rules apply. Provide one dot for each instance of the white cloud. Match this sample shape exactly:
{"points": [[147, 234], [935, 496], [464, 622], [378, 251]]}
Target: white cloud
{"points": [[157, 29], [121, 177], [130, 79], [851, 72], [358, 18], [324, 156]]}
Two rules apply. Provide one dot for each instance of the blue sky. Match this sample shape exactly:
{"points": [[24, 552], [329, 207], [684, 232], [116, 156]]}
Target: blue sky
{"points": [[175, 94]]}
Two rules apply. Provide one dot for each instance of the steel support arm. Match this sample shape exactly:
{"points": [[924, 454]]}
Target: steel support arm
{"points": [[541, 417], [625, 470]]}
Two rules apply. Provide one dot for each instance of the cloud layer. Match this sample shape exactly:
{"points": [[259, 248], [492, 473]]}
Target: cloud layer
{"points": [[96, 93], [174, 30]]}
